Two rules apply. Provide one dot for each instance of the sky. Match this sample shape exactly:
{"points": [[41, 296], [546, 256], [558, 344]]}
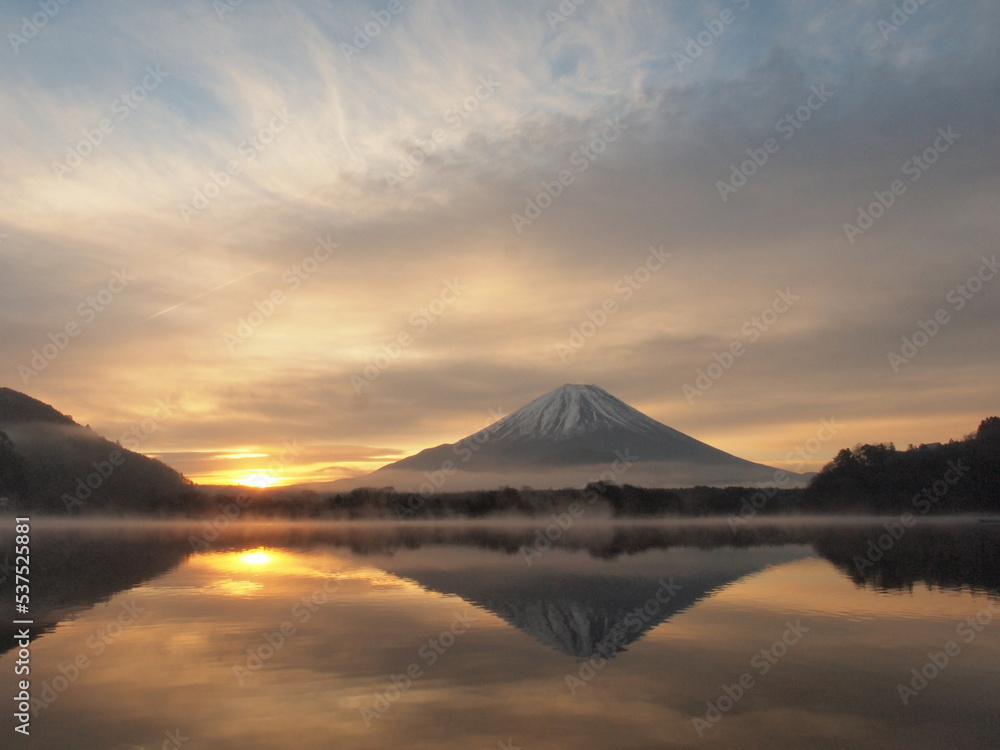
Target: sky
{"points": [[290, 240]]}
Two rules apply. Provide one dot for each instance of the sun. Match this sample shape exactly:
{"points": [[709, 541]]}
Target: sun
{"points": [[258, 480]]}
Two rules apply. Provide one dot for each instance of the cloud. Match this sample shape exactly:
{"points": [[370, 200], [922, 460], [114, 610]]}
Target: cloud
{"points": [[412, 152]]}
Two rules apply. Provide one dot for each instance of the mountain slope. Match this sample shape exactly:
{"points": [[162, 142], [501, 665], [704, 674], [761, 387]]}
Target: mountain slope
{"points": [[49, 463], [570, 436]]}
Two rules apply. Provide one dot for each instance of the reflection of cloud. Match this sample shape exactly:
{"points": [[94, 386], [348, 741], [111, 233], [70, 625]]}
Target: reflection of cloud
{"points": [[378, 578], [229, 587]]}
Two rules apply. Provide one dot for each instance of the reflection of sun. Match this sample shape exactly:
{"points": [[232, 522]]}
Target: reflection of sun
{"points": [[262, 563], [258, 480], [255, 557]]}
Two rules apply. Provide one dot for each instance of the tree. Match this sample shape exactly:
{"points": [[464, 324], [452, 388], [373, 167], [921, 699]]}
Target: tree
{"points": [[989, 430]]}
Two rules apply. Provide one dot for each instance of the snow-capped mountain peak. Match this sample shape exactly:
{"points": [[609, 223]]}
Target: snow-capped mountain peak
{"points": [[572, 411]]}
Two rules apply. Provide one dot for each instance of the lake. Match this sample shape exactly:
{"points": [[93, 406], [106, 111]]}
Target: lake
{"points": [[688, 634]]}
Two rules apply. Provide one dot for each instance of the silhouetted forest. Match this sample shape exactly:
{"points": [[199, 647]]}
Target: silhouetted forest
{"points": [[959, 476]]}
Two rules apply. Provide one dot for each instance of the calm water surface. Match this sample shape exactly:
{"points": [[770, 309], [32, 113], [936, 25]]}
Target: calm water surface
{"points": [[682, 635]]}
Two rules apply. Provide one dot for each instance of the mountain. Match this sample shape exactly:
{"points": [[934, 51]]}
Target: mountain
{"points": [[49, 463], [569, 437]]}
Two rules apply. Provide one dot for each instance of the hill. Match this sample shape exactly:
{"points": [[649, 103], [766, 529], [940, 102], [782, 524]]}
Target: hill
{"points": [[51, 464]]}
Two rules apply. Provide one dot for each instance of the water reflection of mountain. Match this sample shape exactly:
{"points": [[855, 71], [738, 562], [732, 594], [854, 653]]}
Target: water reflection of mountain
{"points": [[572, 607], [588, 611]]}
